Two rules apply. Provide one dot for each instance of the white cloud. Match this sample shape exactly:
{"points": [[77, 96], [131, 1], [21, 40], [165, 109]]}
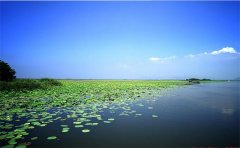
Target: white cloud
{"points": [[154, 59], [224, 50], [162, 60]]}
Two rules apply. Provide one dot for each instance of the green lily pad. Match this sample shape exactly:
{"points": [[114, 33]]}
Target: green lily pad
{"points": [[95, 123], [78, 126], [34, 138], [85, 130], [107, 121], [64, 125], [65, 129], [42, 125], [77, 122], [12, 142], [52, 138]]}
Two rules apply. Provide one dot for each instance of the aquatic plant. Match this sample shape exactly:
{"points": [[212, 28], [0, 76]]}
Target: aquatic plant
{"points": [[82, 102]]}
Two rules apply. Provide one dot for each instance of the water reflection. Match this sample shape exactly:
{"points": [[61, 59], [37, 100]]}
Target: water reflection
{"points": [[216, 97]]}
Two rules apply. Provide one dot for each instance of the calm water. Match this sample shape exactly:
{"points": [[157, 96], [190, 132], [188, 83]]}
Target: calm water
{"points": [[197, 115]]}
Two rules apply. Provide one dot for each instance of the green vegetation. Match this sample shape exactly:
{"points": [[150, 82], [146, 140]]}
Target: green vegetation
{"points": [[28, 84], [80, 101], [8, 81]]}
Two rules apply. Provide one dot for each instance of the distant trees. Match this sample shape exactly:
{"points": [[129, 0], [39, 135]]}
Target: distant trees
{"points": [[206, 79], [196, 80], [193, 79], [6, 72]]}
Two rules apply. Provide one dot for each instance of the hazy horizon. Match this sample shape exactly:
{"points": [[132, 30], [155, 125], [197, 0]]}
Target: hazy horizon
{"points": [[121, 40]]}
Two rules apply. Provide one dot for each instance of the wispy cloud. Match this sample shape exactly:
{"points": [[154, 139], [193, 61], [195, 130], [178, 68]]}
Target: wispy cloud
{"points": [[154, 59], [195, 55], [225, 50], [162, 60]]}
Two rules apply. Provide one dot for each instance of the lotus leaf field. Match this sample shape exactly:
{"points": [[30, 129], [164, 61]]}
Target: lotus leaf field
{"points": [[81, 102]]}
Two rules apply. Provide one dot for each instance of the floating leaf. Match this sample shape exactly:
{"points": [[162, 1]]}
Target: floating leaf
{"points": [[65, 129], [34, 138], [64, 125], [12, 142], [52, 138], [78, 126], [85, 130], [107, 121], [94, 124], [77, 122]]}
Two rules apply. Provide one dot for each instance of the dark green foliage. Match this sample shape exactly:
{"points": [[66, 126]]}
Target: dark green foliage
{"points": [[28, 84], [50, 82], [196, 81], [6, 72], [20, 84], [193, 79], [206, 79]]}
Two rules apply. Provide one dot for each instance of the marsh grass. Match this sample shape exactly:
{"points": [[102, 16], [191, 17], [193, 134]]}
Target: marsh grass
{"points": [[28, 84]]}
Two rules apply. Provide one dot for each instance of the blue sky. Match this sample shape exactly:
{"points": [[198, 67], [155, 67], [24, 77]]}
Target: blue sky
{"points": [[121, 40]]}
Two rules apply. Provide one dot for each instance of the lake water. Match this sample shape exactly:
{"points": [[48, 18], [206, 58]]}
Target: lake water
{"points": [[192, 116]]}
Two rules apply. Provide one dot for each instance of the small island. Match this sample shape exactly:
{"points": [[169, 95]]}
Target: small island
{"points": [[196, 81]]}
